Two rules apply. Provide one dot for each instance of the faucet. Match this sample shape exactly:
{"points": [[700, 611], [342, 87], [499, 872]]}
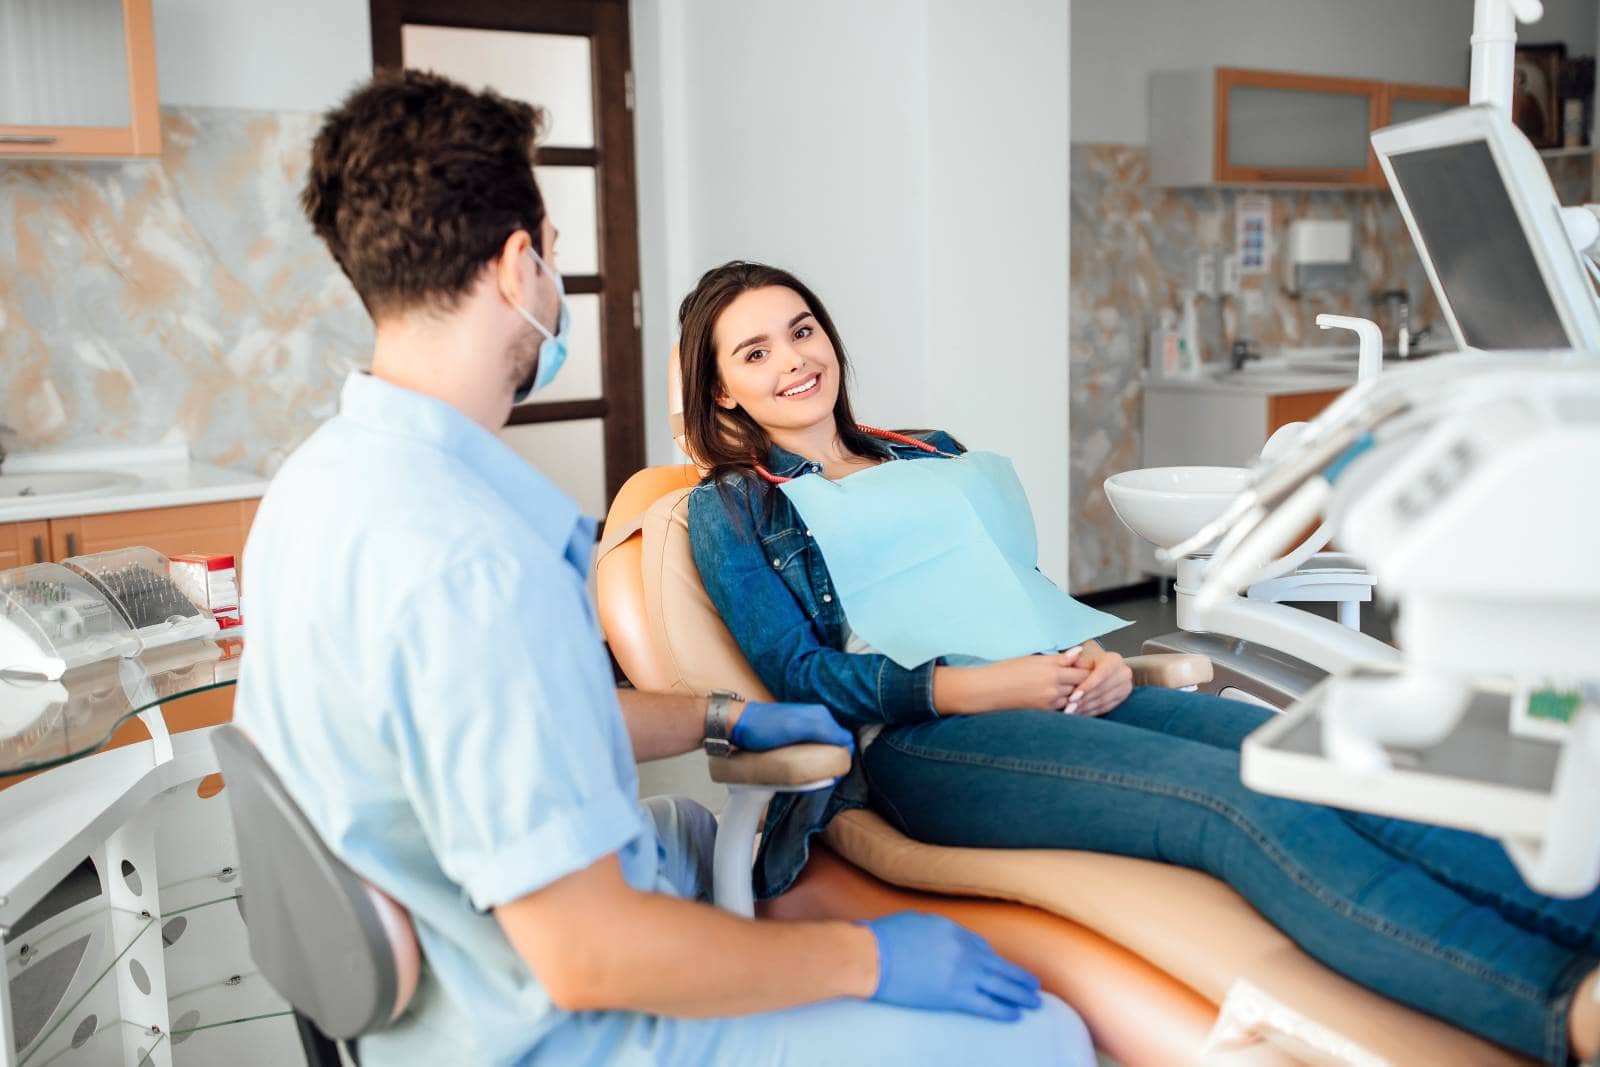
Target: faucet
{"points": [[6, 433], [1241, 353], [1397, 307]]}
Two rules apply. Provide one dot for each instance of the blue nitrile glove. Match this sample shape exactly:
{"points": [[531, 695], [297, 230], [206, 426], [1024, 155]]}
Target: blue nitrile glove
{"points": [[929, 962], [762, 726]]}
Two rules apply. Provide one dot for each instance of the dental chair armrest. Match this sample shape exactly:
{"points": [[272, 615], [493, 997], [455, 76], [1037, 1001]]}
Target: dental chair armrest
{"points": [[791, 769], [753, 779], [1170, 670]]}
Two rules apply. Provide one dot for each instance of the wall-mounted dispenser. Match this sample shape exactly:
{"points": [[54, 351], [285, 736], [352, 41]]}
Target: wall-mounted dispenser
{"points": [[1318, 254]]}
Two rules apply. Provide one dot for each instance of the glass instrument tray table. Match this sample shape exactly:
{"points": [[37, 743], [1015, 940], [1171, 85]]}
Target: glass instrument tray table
{"points": [[44, 724]]}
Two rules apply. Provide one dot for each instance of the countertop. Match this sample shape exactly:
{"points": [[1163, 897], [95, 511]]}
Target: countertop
{"points": [[164, 477], [1282, 372], [1256, 381]]}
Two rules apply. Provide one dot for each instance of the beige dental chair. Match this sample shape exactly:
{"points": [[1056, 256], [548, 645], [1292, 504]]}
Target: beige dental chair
{"points": [[1169, 967]]}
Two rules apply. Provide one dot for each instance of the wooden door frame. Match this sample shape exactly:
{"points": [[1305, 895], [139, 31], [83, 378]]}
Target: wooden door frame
{"points": [[605, 23]]}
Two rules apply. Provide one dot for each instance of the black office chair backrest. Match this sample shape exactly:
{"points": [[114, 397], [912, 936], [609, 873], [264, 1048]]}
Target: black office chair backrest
{"points": [[315, 928]]}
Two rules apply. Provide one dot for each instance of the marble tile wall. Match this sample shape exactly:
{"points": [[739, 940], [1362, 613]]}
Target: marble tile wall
{"points": [[180, 299], [1133, 248]]}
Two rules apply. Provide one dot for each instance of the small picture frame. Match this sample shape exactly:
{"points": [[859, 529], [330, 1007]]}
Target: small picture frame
{"points": [[1536, 93]]}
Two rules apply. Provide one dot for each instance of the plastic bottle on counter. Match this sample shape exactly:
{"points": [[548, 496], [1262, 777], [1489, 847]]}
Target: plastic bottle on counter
{"points": [[1163, 357], [1188, 339]]}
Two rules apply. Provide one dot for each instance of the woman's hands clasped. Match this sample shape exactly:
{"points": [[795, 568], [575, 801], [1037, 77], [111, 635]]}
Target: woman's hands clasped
{"points": [[1086, 680], [1107, 684]]}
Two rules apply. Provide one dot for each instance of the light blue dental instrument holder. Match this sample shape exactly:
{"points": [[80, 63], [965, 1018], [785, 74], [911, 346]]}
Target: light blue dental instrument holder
{"points": [[939, 557]]}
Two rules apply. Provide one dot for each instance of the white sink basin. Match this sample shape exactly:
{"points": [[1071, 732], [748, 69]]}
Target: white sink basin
{"points": [[54, 485], [1165, 505]]}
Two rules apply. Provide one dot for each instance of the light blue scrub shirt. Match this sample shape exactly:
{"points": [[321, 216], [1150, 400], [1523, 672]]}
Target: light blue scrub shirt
{"points": [[423, 670]]}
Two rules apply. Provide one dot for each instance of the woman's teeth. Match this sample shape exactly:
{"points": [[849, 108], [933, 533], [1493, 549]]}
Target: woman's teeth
{"points": [[809, 384]]}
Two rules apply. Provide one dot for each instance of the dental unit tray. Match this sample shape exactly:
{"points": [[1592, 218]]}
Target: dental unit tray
{"points": [[1481, 777], [54, 617]]}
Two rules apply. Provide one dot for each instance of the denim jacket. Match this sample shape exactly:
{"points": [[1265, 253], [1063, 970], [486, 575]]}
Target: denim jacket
{"points": [[767, 579]]}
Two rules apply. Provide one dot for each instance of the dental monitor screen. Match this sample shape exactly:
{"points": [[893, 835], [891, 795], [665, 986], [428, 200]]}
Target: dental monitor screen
{"points": [[1478, 247], [1486, 221]]}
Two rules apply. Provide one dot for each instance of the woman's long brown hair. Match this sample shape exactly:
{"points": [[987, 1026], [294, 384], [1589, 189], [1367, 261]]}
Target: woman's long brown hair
{"points": [[731, 442]]}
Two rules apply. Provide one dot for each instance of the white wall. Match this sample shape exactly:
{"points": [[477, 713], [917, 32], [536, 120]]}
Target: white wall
{"points": [[1117, 43], [998, 257], [287, 55], [908, 158], [791, 134]]}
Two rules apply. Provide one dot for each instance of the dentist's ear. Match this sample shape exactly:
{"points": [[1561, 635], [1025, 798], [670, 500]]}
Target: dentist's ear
{"points": [[510, 265], [724, 401]]}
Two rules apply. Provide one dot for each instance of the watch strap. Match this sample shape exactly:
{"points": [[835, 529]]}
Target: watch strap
{"points": [[719, 706]]}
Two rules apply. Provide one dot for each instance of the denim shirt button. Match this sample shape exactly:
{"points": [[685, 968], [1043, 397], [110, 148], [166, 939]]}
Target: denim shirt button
{"points": [[827, 598], [808, 533], [778, 564]]}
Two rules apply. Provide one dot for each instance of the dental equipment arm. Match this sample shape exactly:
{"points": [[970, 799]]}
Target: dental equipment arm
{"points": [[1494, 45], [1471, 510]]}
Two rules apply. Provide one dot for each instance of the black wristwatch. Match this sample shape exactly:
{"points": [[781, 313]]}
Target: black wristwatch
{"points": [[719, 704]]}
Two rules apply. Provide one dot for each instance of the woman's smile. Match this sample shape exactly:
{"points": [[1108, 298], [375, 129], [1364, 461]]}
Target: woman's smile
{"points": [[803, 388]]}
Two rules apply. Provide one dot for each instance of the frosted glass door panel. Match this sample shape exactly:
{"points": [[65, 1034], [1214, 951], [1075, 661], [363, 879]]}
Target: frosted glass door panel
{"points": [[570, 454], [545, 69], [580, 375], [63, 63], [1403, 110], [569, 197], [1294, 128]]}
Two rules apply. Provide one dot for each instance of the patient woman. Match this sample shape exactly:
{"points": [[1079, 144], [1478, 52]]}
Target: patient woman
{"points": [[883, 575]]}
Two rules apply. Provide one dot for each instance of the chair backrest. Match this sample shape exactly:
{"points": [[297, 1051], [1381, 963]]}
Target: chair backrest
{"points": [[339, 950], [662, 628]]}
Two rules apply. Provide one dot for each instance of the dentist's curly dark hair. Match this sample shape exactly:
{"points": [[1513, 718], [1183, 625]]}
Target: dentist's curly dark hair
{"points": [[415, 183]]}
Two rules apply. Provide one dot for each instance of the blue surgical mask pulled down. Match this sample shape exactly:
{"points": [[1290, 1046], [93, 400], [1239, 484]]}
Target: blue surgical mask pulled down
{"points": [[553, 350], [936, 559]]}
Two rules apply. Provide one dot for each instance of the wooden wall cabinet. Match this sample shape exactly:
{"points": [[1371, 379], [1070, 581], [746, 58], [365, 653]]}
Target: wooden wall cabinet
{"points": [[1404, 103], [1225, 125], [214, 529], [80, 79]]}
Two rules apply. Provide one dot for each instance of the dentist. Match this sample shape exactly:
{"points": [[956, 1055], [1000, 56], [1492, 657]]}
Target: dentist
{"points": [[425, 674]]}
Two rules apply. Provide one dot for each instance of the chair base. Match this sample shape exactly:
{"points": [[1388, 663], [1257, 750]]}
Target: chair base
{"points": [[321, 1050]]}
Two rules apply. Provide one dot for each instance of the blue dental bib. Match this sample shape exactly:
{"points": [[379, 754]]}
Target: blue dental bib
{"points": [[939, 558]]}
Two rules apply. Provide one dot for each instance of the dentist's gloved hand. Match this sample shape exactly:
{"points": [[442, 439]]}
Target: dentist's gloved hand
{"points": [[761, 726], [929, 962]]}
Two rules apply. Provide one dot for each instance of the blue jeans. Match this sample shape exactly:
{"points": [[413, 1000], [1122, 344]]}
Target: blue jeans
{"points": [[1434, 918]]}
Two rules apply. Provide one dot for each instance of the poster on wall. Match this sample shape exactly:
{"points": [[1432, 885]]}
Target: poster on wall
{"points": [[1253, 233]]}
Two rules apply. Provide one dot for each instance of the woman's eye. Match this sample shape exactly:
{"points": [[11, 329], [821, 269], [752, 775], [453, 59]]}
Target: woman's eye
{"points": [[755, 355], [802, 333]]}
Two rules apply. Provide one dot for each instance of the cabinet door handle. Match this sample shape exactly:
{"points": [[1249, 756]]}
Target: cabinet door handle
{"points": [[38, 549], [28, 138], [72, 544]]}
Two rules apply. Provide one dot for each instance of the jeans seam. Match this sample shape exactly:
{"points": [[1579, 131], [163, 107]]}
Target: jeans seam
{"points": [[879, 797], [1462, 963]]}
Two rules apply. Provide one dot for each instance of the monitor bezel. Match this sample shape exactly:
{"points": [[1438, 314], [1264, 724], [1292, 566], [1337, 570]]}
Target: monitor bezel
{"points": [[1533, 199]]}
